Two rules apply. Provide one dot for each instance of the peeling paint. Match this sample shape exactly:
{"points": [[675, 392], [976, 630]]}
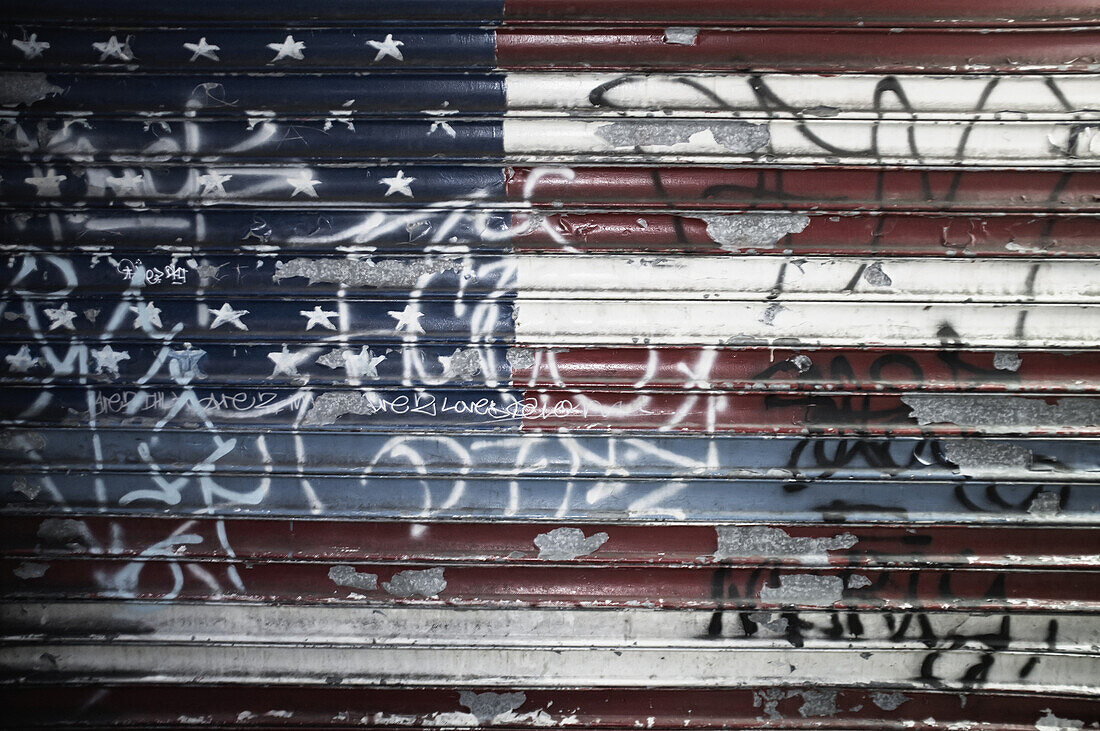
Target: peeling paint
{"points": [[743, 541], [521, 359], [802, 363], [427, 583], [1001, 411], [977, 457], [565, 544], [753, 230], [22, 441], [804, 589], [1045, 503], [463, 363], [1006, 361], [25, 88], [331, 405], [30, 570], [888, 701], [1050, 722], [72, 534], [348, 576], [772, 312], [486, 706], [771, 621], [815, 703], [736, 137], [24, 488], [858, 581], [681, 36], [388, 273], [874, 276]]}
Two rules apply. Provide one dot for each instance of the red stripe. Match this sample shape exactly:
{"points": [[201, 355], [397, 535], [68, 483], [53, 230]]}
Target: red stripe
{"points": [[680, 708], [791, 12], [807, 370], [703, 587], [32, 537], [821, 188], [832, 235], [803, 49]]}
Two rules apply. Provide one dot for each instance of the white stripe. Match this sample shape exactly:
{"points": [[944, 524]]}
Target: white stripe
{"points": [[809, 94], [846, 279], [813, 142], [677, 322]]}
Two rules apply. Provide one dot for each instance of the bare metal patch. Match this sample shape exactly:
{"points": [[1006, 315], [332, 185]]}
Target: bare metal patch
{"points": [[1050, 722], [802, 363], [858, 581], [977, 457], [388, 273], [737, 137], [983, 410], [330, 406], [771, 621], [21, 441], [428, 583], [681, 36], [71, 534], [874, 276], [753, 230], [1005, 361], [348, 576], [463, 363], [804, 589], [565, 544], [487, 706], [815, 703], [24, 89], [26, 489], [30, 570], [741, 541], [888, 701], [772, 312], [1045, 504], [521, 359]]}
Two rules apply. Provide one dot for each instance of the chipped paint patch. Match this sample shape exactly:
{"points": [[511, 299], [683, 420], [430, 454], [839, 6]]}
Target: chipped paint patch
{"points": [[804, 590], [978, 458], [888, 701], [1050, 722], [815, 703], [26, 489], [734, 136], [858, 581], [753, 230], [1005, 361], [463, 363], [874, 276], [21, 441], [520, 359], [1045, 504], [348, 576], [25, 88], [72, 534], [388, 273], [681, 36], [331, 405], [30, 570], [1001, 411], [744, 541], [426, 583], [487, 706], [565, 544]]}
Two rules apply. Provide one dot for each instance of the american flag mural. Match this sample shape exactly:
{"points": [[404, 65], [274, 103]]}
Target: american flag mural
{"points": [[719, 364]]}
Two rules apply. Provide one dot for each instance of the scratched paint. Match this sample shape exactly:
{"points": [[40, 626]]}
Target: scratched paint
{"points": [[722, 366]]}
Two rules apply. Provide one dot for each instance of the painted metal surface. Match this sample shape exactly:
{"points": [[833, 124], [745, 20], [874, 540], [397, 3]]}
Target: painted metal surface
{"points": [[541, 363]]}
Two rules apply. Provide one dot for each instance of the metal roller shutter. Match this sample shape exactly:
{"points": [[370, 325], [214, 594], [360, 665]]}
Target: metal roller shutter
{"points": [[607, 364]]}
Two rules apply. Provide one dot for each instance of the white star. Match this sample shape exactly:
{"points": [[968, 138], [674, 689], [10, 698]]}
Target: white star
{"points": [[147, 316], [112, 48], [362, 364], [289, 48], [129, 182], [287, 362], [407, 319], [213, 183], [304, 183], [317, 316], [226, 314], [204, 49], [22, 361], [61, 317], [387, 47], [32, 47], [399, 184], [107, 359], [46, 184]]}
